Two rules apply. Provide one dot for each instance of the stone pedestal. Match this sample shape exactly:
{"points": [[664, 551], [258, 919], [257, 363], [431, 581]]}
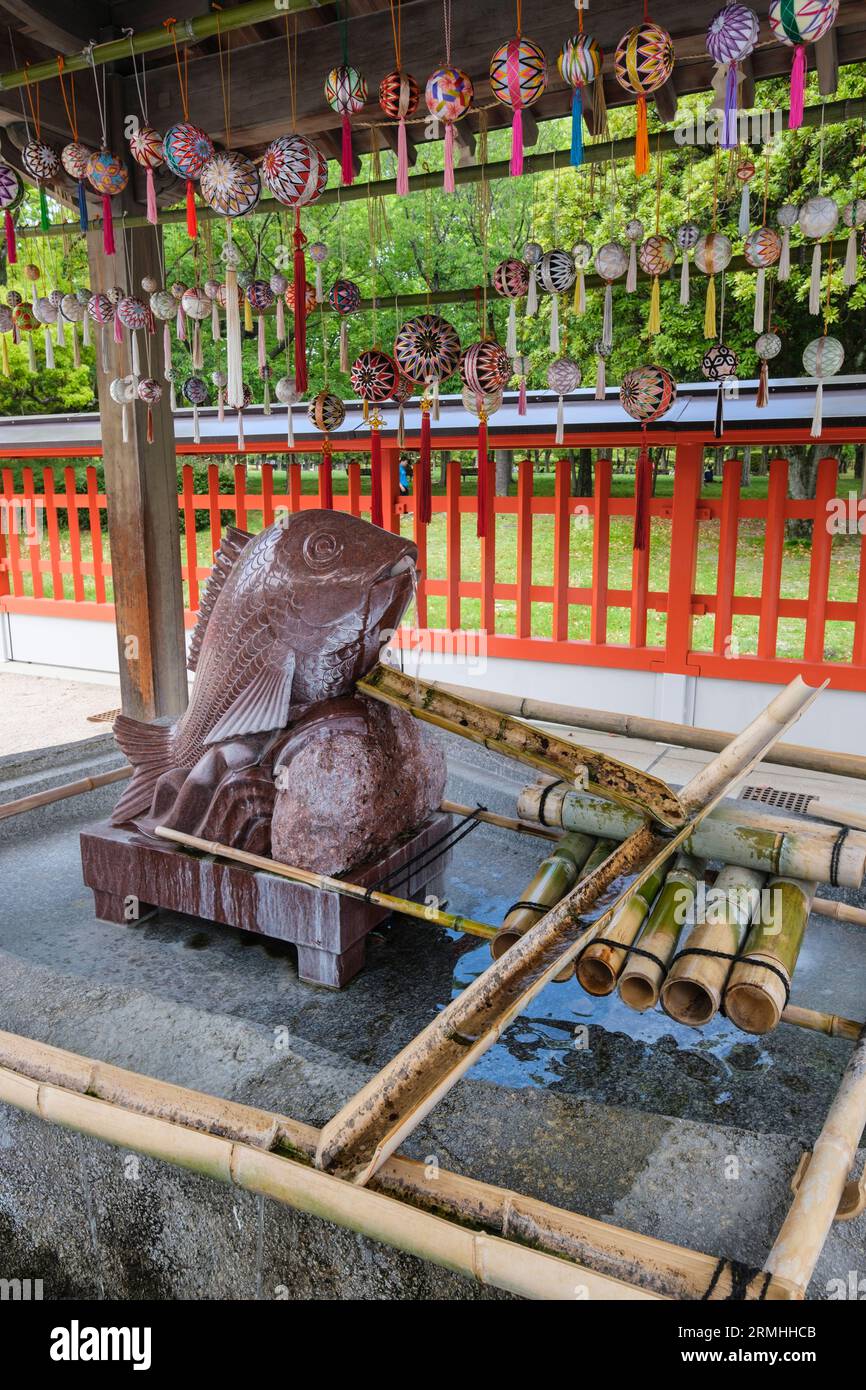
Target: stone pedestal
{"points": [[131, 875]]}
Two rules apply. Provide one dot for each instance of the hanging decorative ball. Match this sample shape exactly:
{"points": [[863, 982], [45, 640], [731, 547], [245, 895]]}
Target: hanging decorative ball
{"points": [[713, 253], [13, 298], [718, 362], [518, 73], [644, 59], [187, 149], [132, 313], [745, 170], [854, 214], [83, 296], [195, 390], [427, 348], [732, 34], [647, 393], [580, 60], [149, 390], [122, 390], [40, 161], [475, 403], [823, 357], [345, 90], [195, 303], [511, 278], [762, 247], [657, 255], [11, 187], [309, 298], [818, 216], [611, 261], [399, 95], [556, 272], [56, 298], [116, 293], [43, 310], [564, 376], [101, 309], [485, 367], [403, 390], [787, 216], [149, 284], [634, 229], [345, 297], [146, 147], [532, 252], [326, 411], [261, 296], [222, 295], [72, 309], [687, 234], [601, 349], [74, 157], [294, 171], [319, 252], [374, 375], [448, 94], [7, 321], [768, 346], [246, 398], [32, 272], [278, 282], [581, 255], [245, 279], [521, 365], [163, 305], [287, 392], [24, 318], [230, 183], [796, 22], [220, 379], [107, 173]]}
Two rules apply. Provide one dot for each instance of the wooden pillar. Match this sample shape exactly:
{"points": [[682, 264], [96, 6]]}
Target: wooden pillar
{"points": [[141, 496]]}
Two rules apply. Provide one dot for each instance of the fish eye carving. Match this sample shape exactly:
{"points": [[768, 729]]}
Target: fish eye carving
{"points": [[322, 551]]}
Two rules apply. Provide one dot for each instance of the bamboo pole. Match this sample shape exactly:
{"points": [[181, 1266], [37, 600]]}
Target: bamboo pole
{"points": [[46, 798], [656, 730], [756, 996], [553, 878], [599, 967], [641, 977], [842, 912], [734, 834], [505, 822], [692, 991], [406, 906], [663, 1268], [832, 1025], [799, 1243], [515, 739], [371, 1125]]}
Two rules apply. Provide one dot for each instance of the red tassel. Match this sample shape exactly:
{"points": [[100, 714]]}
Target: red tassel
{"points": [[347, 168], [377, 511], [517, 141], [107, 226], [11, 248], [643, 486], [300, 292], [191, 218], [326, 478], [483, 479], [424, 491], [641, 139]]}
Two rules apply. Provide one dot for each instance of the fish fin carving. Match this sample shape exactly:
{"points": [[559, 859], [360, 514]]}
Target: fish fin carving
{"points": [[262, 706], [149, 749], [231, 547]]}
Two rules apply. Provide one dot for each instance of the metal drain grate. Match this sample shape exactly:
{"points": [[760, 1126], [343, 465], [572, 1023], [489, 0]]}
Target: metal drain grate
{"points": [[798, 802]]}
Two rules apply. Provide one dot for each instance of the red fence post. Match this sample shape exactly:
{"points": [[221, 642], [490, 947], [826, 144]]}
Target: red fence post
{"points": [[240, 497], [523, 616], [683, 556], [29, 518], [294, 486], [74, 534], [726, 576], [354, 474], [819, 568], [213, 500], [267, 494], [190, 538], [420, 535], [95, 516], [390, 487], [13, 547], [561, 537], [452, 545], [57, 590], [600, 552], [488, 553], [771, 579]]}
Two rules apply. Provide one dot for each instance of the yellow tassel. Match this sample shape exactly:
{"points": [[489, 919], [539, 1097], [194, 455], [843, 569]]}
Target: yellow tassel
{"points": [[654, 323], [4, 354], [248, 316], [710, 311]]}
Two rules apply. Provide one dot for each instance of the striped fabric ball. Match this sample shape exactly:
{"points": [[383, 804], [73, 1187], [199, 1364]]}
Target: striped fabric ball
{"points": [[399, 95], [801, 21], [732, 34], [580, 60], [518, 73], [345, 90], [485, 367], [294, 171], [187, 149], [647, 393], [762, 247], [644, 59], [511, 279]]}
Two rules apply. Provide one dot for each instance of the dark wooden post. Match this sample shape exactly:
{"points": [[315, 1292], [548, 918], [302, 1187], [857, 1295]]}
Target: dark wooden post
{"points": [[141, 494]]}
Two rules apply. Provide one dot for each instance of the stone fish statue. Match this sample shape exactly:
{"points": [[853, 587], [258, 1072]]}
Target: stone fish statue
{"points": [[290, 619]]}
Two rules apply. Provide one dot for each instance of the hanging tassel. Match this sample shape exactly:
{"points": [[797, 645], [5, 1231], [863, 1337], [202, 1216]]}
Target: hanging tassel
{"points": [[152, 214], [320, 284], [849, 274], [242, 444], [532, 293], [300, 294], [577, 127], [483, 502], [817, 418], [511, 332], [402, 158], [401, 426], [261, 345], [424, 500], [521, 397], [76, 350], [85, 330], [44, 219], [150, 424], [234, 344], [196, 430], [103, 347], [730, 134], [11, 247], [107, 226], [290, 427], [719, 422], [266, 396], [377, 514], [180, 324], [554, 323], [221, 403], [248, 316], [117, 329], [435, 407], [654, 322], [600, 379], [172, 397], [815, 281], [4, 354], [685, 285], [599, 109], [136, 364], [516, 166], [326, 478], [710, 309], [214, 322], [49, 349], [344, 346], [61, 333], [760, 285], [785, 255], [348, 172], [31, 353], [448, 179], [607, 317], [166, 344], [124, 423], [745, 211], [83, 219], [763, 395], [631, 274], [641, 139], [281, 319], [643, 486], [191, 218], [798, 87], [580, 294], [560, 421]]}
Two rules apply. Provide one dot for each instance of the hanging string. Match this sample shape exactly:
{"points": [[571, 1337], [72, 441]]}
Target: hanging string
{"points": [[170, 25], [446, 11], [34, 106], [766, 185], [829, 288], [519, 18], [484, 208], [396, 28], [225, 76], [292, 63], [68, 102], [343, 17], [140, 83], [821, 149], [101, 106]]}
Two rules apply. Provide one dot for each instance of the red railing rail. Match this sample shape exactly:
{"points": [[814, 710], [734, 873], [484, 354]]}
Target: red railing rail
{"points": [[496, 586]]}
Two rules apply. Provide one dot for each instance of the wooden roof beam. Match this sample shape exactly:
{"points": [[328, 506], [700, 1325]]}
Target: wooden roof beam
{"points": [[61, 26], [827, 62]]}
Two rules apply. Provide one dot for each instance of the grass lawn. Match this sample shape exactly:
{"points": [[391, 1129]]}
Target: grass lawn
{"points": [[795, 570]]}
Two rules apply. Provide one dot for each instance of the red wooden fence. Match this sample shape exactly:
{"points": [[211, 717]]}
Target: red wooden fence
{"points": [[68, 573]]}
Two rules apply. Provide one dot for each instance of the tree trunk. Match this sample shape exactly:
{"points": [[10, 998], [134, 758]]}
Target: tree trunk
{"points": [[443, 468], [504, 464], [802, 476], [746, 475], [581, 473]]}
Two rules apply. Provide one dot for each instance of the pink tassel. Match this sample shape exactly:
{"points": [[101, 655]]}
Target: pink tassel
{"points": [[107, 226], [281, 319], [151, 198], [180, 324], [798, 88], [347, 169], [166, 344], [448, 183], [521, 397], [118, 328], [11, 248], [402, 159], [517, 141]]}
